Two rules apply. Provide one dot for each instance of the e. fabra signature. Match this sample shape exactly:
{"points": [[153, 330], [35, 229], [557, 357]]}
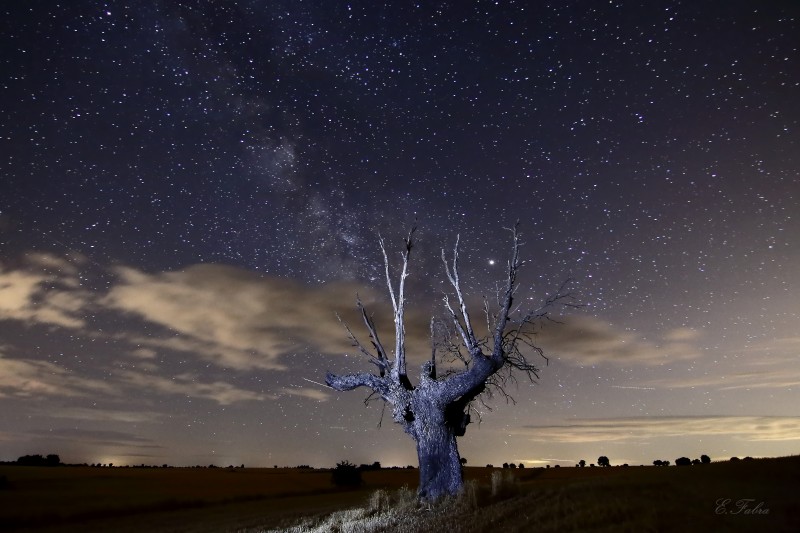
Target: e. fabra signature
{"points": [[743, 506]]}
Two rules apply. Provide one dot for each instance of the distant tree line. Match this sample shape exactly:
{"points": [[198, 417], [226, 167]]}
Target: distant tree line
{"points": [[36, 460], [681, 461], [54, 460]]}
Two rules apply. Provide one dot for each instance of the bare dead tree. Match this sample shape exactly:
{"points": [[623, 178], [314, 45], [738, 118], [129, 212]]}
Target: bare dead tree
{"points": [[437, 410]]}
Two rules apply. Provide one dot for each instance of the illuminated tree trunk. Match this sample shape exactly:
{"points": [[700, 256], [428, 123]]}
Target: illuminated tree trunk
{"points": [[437, 451]]}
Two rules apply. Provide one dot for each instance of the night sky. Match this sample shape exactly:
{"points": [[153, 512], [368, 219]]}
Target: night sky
{"points": [[191, 191]]}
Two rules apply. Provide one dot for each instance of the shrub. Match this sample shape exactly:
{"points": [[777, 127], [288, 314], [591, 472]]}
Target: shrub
{"points": [[683, 461], [603, 461], [705, 459], [346, 474]]}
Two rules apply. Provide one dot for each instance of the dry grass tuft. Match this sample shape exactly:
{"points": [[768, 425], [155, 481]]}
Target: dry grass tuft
{"points": [[504, 484]]}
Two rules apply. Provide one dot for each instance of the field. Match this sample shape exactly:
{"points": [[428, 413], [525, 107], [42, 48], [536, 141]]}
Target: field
{"points": [[757, 495]]}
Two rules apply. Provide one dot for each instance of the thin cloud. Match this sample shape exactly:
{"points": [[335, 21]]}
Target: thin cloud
{"points": [[770, 364], [24, 378], [585, 340], [96, 436], [751, 428], [238, 319], [45, 290], [103, 415], [231, 316], [190, 385]]}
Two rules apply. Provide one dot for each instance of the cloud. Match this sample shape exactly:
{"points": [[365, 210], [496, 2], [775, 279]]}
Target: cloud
{"points": [[103, 415], [45, 290], [586, 340], [22, 378], [770, 364], [25, 378], [104, 437], [239, 319], [189, 385], [751, 428]]}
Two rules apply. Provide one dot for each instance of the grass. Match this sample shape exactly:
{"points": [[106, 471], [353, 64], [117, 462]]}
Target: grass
{"points": [[266, 500], [640, 499]]}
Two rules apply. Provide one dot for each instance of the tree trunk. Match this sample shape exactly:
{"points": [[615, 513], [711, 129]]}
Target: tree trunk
{"points": [[439, 462]]}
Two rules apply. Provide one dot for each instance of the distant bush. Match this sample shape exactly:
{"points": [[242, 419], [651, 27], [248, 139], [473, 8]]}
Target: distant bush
{"points": [[683, 461], [603, 461], [705, 459], [734, 458], [38, 460], [346, 474]]}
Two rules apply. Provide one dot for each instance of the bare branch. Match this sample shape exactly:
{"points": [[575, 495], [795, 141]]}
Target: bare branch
{"points": [[399, 323], [470, 341], [381, 364], [456, 321], [354, 381], [487, 314], [383, 360], [508, 298], [388, 274], [398, 305]]}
